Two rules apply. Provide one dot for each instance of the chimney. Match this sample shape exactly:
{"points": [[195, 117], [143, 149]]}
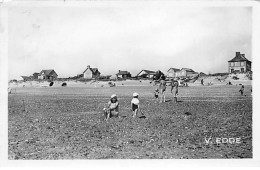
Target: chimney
{"points": [[88, 66], [237, 54], [118, 71]]}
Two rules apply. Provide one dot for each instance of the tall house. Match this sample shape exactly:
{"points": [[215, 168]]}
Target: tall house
{"points": [[90, 73], [239, 64]]}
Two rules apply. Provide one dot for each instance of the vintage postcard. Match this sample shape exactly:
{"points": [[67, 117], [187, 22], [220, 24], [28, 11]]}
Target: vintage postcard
{"points": [[127, 80]]}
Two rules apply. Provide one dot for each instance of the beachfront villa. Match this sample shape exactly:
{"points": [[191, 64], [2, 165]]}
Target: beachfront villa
{"points": [[90, 73], [146, 74], [47, 75], [123, 74], [172, 72], [186, 72], [239, 64]]}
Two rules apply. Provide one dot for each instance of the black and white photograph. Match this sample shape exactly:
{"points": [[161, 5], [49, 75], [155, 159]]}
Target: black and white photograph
{"points": [[109, 80]]}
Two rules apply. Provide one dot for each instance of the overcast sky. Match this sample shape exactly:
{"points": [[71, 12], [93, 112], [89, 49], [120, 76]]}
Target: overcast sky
{"points": [[132, 38]]}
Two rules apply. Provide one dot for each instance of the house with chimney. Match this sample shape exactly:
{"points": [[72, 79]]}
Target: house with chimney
{"points": [[123, 74], [239, 64], [90, 73], [47, 75]]}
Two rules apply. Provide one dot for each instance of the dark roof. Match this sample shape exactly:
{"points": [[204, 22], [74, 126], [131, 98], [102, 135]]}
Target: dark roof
{"points": [[35, 73], [123, 73], [188, 69], [93, 70], [47, 72], [175, 69], [238, 58]]}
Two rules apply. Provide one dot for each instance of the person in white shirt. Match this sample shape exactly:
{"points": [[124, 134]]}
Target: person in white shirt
{"points": [[135, 104], [112, 109]]}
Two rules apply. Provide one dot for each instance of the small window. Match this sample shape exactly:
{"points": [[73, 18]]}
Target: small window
{"points": [[242, 63], [237, 63], [242, 70]]}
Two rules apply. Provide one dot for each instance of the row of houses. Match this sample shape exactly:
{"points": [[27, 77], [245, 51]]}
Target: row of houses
{"points": [[238, 64], [90, 73], [172, 72]]}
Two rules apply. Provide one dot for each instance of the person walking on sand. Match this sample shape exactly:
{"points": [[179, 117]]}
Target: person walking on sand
{"points": [[175, 85], [202, 82], [135, 104], [162, 88], [112, 108]]}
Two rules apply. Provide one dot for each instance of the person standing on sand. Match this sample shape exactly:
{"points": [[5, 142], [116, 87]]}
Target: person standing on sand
{"points": [[112, 109], [156, 93], [162, 88], [242, 90], [135, 104], [175, 85]]}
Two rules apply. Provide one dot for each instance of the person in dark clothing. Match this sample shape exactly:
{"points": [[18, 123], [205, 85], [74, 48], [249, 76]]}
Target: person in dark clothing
{"points": [[242, 90]]}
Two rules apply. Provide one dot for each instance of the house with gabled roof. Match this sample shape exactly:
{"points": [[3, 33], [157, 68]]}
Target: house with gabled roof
{"points": [[90, 73], [47, 74], [123, 74], [146, 74], [239, 64], [172, 72], [186, 72]]}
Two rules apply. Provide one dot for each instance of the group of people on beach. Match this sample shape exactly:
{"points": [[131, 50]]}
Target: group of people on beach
{"points": [[112, 109], [162, 88]]}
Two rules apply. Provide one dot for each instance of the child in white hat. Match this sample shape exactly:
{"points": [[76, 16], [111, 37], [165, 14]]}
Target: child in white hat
{"points": [[135, 104], [112, 109]]}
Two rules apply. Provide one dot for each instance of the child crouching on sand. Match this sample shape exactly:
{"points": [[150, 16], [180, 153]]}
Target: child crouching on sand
{"points": [[112, 109], [135, 104]]}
